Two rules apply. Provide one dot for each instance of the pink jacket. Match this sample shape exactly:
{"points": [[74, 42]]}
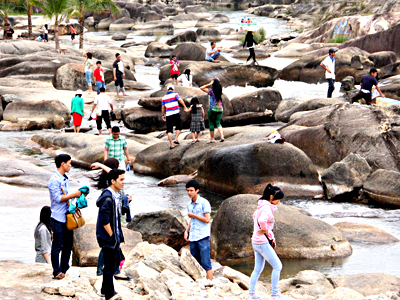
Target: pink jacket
{"points": [[264, 216]]}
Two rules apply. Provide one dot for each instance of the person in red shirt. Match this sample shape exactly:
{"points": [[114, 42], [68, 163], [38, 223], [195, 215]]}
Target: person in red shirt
{"points": [[98, 74], [174, 70], [73, 32]]}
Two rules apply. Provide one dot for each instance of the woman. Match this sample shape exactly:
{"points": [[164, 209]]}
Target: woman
{"points": [[263, 241], [43, 237], [77, 110], [249, 40], [215, 109], [88, 69], [46, 33], [186, 79]]}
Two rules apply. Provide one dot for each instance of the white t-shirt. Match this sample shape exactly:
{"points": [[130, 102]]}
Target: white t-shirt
{"points": [[327, 62], [185, 81], [209, 49], [103, 101]]}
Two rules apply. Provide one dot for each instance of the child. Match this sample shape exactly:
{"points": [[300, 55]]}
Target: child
{"points": [[98, 74], [199, 210], [174, 70], [197, 123], [43, 237], [73, 32]]}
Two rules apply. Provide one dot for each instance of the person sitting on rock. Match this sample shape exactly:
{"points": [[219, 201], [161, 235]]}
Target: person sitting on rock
{"points": [[366, 83], [198, 230], [186, 79], [212, 53]]}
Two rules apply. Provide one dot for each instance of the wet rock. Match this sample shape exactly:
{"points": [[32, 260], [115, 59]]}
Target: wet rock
{"points": [[153, 28], [347, 84], [297, 235], [204, 23], [355, 232], [259, 101], [345, 176], [151, 16], [156, 49], [104, 23], [124, 23], [220, 18], [208, 34], [119, 36], [342, 293], [190, 265], [383, 187], [161, 227], [142, 120], [187, 36]]}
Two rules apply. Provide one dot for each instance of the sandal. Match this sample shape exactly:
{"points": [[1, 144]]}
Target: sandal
{"points": [[170, 148], [122, 277], [59, 276], [211, 142], [193, 142], [222, 140], [176, 142]]}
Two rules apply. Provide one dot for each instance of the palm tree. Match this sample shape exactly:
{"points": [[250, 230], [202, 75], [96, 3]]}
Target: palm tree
{"points": [[29, 4], [6, 6], [80, 7], [57, 9]]}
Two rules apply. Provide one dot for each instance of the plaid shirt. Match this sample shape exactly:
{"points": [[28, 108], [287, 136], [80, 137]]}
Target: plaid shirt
{"points": [[116, 147]]}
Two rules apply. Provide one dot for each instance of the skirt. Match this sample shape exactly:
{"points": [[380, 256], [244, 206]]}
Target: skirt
{"points": [[197, 123], [77, 119]]}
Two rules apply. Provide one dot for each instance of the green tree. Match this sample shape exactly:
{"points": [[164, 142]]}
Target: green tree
{"points": [[57, 9], [26, 6], [81, 7], [6, 6]]}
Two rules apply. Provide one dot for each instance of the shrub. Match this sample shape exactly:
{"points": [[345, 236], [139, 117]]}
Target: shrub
{"points": [[339, 39], [259, 36]]}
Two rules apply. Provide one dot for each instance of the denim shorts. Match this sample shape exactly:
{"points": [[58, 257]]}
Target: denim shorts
{"points": [[201, 252]]}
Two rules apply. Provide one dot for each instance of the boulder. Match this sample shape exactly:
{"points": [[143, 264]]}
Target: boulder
{"points": [[345, 176], [130, 85], [220, 18], [150, 16], [208, 34], [383, 187], [153, 28], [170, 11], [156, 49], [347, 84], [135, 9], [184, 92], [311, 283], [119, 36], [383, 58], [86, 248], [124, 23], [204, 23], [190, 17], [152, 103], [355, 232], [248, 118], [341, 293], [190, 51], [89, 21], [297, 235], [245, 54], [161, 227], [199, 10], [258, 101], [226, 30], [104, 23], [187, 36], [123, 14], [23, 47], [142, 120], [190, 265]]}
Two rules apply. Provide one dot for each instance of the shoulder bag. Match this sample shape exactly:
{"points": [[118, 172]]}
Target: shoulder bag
{"points": [[74, 220]]}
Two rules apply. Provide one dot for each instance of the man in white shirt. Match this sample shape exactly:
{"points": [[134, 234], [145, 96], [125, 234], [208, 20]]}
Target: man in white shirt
{"points": [[103, 104], [329, 65], [212, 53]]}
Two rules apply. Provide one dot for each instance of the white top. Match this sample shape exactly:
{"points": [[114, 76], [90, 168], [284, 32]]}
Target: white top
{"points": [[209, 49], [103, 101], [185, 81], [45, 31], [330, 64]]}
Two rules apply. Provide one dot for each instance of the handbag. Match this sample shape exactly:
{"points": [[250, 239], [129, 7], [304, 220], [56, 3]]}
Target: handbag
{"points": [[98, 111], [74, 220], [271, 242]]}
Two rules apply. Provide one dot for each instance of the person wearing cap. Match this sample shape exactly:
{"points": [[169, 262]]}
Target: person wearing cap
{"points": [[366, 83], [77, 110], [329, 65], [171, 113]]}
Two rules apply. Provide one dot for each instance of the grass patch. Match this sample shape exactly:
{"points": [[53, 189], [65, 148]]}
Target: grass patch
{"points": [[339, 39]]}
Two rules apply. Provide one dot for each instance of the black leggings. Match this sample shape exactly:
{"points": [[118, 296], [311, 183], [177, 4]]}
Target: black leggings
{"points": [[252, 54], [106, 116]]}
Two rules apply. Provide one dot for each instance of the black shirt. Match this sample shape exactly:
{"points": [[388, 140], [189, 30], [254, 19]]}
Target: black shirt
{"points": [[249, 40], [368, 81], [119, 65], [9, 32]]}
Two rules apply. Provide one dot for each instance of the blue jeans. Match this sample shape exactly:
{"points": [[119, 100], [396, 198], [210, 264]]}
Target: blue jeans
{"points": [[112, 257], [262, 253], [213, 56], [63, 240], [99, 85], [201, 252], [331, 87], [100, 265], [88, 75]]}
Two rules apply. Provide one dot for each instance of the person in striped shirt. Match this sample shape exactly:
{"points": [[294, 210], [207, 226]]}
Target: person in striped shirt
{"points": [[171, 113]]}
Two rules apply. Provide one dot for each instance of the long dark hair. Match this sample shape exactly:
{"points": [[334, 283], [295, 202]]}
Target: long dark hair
{"points": [[248, 35], [193, 104], [187, 73], [101, 178], [274, 191], [45, 215], [217, 89]]}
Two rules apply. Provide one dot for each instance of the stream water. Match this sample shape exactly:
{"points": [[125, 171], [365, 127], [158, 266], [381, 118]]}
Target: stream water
{"points": [[18, 216]]}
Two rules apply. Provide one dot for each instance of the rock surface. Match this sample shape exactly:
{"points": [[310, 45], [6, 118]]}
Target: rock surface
{"points": [[355, 232], [259, 101], [383, 187]]}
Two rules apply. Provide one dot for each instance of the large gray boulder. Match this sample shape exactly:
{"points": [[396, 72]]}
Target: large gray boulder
{"points": [[187, 36], [208, 34], [135, 9], [156, 49], [363, 233], [297, 235], [104, 23], [150, 16], [124, 23], [143, 120], [258, 101], [383, 186], [153, 28], [119, 36], [190, 51], [220, 18]]}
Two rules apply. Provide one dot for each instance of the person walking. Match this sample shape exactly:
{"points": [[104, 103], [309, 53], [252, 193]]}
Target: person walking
{"points": [[102, 105], [77, 110], [116, 146], [109, 231], [186, 79], [328, 64], [59, 195], [43, 236], [197, 121], [367, 82], [250, 42], [46, 33], [215, 110], [73, 33], [212, 53], [88, 70], [174, 62], [263, 241], [119, 74], [171, 114], [198, 230], [98, 74]]}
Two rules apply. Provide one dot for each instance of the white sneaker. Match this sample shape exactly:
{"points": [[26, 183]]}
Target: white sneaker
{"points": [[278, 296], [254, 297]]}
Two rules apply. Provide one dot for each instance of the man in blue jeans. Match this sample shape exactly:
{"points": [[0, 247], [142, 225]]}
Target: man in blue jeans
{"points": [[59, 195], [212, 53], [198, 230]]}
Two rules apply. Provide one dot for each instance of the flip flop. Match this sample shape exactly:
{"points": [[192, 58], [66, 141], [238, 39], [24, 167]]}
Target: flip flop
{"points": [[193, 142], [170, 148], [176, 142], [122, 277], [210, 142], [222, 140], [59, 276]]}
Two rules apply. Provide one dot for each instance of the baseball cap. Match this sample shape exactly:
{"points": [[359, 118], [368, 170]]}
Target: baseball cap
{"points": [[170, 87], [331, 50]]}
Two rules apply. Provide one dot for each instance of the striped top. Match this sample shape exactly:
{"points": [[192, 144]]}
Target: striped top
{"points": [[170, 101]]}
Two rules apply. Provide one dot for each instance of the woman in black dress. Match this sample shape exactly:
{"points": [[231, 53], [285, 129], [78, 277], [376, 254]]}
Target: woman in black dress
{"points": [[250, 42]]}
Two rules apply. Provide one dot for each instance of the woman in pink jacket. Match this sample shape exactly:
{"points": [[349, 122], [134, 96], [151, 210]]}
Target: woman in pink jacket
{"points": [[263, 241]]}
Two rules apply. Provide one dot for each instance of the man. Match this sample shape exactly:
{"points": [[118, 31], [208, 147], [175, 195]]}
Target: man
{"points": [[73, 33], [62, 237], [9, 32], [212, 53], [171, 114], [116, 146], [119, 74], [328, 64], [108, 230], [367, 82], [198, 230], [98, 74], [103, 104]]}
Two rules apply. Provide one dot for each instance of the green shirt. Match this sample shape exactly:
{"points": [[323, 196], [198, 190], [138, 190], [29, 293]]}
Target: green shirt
{"points": [[116, 147], [77, 105]]}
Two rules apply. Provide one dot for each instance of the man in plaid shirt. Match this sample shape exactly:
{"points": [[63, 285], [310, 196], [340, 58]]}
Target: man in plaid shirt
{"points": [[115, 146]]}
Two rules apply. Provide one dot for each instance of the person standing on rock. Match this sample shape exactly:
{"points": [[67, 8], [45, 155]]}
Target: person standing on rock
{"points": [[9, 32], [98, 74], [197, 120], [215, 110], [77, 110], [212, 53], [367, 82], [263, 241], [88, 70], [102, 105], [119, 74], [109, 231], [328, 64], [174, 70], [73, 33], [59, 195], [198, 230], [46, 33], [250, 42], [116, 146], [171, 114]]}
